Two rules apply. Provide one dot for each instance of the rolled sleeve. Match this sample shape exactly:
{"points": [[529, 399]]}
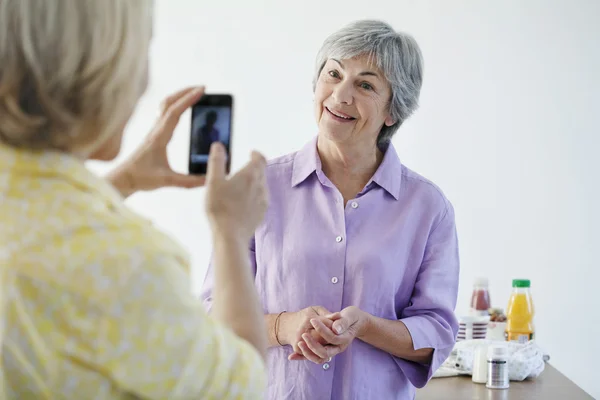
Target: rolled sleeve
{"points": [[430, 318]]}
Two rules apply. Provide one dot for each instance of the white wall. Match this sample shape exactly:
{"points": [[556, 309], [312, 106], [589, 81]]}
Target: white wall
{"points": [[508, 127]]}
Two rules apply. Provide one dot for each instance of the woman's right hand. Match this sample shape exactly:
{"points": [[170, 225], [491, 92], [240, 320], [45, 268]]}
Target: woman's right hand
{"points": [[235, 206]]}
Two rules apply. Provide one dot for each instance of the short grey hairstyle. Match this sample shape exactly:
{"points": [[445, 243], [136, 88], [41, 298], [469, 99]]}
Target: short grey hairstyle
{"points": [[396, 54], [71, 71]]}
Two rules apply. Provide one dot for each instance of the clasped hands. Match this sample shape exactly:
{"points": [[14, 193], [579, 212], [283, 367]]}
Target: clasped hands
{"points": [[316, 334]]}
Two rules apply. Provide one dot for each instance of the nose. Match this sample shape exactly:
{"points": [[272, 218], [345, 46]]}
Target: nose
{"points": [[343, 93]]}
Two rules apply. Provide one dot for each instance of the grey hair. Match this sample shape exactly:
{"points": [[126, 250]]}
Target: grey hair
{"points": [[396, 54]]}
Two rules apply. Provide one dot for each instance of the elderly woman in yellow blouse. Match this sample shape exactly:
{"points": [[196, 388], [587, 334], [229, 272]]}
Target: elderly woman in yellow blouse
{"points": [[94, 300]]}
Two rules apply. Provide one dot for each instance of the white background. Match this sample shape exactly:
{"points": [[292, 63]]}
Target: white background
{"points": [[508, 127]]}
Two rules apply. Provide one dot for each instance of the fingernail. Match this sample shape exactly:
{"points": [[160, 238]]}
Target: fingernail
{"points": [[216, 147], [199, 89]]}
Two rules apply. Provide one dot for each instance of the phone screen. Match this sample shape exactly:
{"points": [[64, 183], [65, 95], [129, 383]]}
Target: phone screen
{"points": [[211, 121]]}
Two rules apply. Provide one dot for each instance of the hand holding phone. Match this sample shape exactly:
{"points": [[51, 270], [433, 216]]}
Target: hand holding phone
{"points": [[236, 205], [212, 118]]}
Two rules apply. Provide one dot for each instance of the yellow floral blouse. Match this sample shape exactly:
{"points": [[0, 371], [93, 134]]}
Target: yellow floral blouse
{"points": [[95, 302]]}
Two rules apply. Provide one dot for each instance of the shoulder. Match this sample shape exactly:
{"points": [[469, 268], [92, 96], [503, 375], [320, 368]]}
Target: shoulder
{"points": [[128, 246], [280, 169], [96, 253], [422, 190], [281, 162]]}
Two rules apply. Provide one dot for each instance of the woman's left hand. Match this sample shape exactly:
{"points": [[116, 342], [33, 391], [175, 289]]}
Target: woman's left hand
{"points": [[148, 167], [347, 325]]}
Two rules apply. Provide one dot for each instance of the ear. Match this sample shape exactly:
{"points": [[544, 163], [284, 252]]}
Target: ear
{"points": [[389, 121]]}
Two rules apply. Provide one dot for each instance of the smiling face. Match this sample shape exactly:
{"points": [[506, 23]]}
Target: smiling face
{"points": [[352, 101]]}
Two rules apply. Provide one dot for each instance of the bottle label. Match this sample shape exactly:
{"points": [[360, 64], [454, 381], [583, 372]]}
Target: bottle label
{"points": [[518, 337], [497, 374]]}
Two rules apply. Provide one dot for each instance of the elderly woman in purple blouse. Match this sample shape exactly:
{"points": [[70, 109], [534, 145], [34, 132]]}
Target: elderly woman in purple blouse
{"points": [[356, 262]]}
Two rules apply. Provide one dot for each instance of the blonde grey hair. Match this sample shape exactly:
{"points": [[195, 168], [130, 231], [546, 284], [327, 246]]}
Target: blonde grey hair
{"points": [[398, 56], [71, 71]]}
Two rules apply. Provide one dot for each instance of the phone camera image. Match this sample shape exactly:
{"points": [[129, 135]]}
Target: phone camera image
{"points": [[211, 122]]}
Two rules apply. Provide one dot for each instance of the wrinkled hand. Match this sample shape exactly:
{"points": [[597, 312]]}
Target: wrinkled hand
{"points": [[336, 332], [235, 206], [294, 325], [148, 167]]}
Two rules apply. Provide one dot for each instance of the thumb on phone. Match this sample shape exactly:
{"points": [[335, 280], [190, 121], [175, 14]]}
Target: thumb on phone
{"points": [[216, 163]]}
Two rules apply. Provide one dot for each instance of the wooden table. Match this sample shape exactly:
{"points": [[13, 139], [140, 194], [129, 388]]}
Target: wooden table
{"points": [[550, 385]]}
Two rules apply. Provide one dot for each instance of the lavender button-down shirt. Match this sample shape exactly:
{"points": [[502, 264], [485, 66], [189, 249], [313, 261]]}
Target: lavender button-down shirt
{"points": [[392, 251]]}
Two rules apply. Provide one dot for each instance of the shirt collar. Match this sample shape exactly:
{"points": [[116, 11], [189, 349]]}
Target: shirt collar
{"points": [[388, 176], [306, 162]]}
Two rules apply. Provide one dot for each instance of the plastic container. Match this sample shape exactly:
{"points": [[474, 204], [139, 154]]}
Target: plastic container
{"points": [[480, 367], [480, 298], [497, 326], [519, 313], [470, 327], [497, 360]]}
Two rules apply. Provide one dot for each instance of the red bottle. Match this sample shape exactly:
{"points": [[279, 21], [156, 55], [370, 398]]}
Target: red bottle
{"points": [[480, 299]]}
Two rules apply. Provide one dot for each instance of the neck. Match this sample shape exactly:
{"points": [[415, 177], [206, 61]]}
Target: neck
{"points": [[349, 166]]}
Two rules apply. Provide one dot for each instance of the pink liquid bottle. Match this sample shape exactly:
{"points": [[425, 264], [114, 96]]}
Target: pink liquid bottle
{"points": [[480, 299]]}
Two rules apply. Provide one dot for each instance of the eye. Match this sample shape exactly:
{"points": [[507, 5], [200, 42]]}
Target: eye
{"points": [[334, 74], [366, 86]]}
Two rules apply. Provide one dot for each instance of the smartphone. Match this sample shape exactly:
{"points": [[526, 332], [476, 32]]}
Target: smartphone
{"points": [[212, 118]]}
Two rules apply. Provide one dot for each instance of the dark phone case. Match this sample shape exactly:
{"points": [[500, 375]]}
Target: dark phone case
{"points": [[209, 100]]}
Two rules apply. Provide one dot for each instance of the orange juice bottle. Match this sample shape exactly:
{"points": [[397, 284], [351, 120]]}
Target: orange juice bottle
{"points": [[519, 314]]}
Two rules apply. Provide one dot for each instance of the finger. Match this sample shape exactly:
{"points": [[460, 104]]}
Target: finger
{"points": [[184, 181], [173, 112], [256, 166], [258, 158], [315, 346], [306, 352], [168, 102], [340, 326], [256, 163], [326, 321], [321, 310], [296, 357], [324, 331], [296, 340], [261, 179], [334, 316], [253, 171], [216, 163], [296, 349]]}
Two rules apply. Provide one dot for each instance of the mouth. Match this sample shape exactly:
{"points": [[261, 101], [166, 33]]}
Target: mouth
{"points": [[339, 116]]}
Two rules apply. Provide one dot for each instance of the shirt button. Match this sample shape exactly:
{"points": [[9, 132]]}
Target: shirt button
{"points": [[334, 279], [338, 239], [325, 366], [354, 204]]}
